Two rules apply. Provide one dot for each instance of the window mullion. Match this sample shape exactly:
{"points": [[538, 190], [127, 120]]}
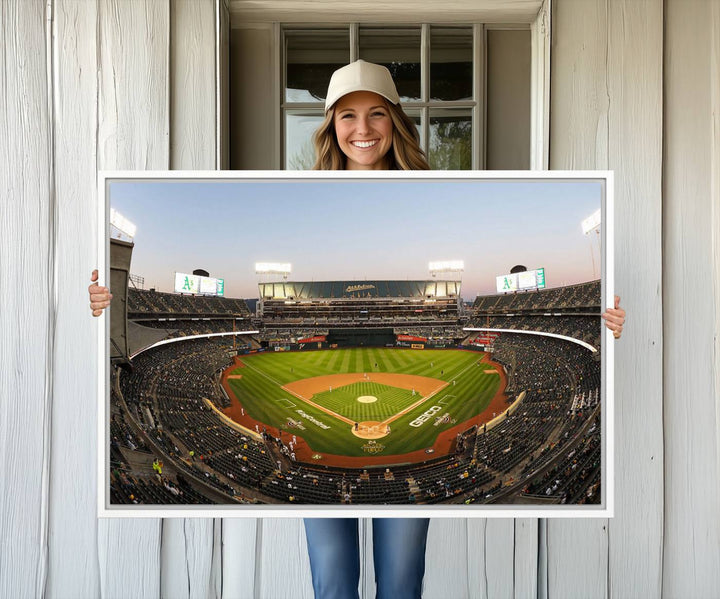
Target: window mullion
{"points": [[425, 86], [478, 113], [354, 41]]}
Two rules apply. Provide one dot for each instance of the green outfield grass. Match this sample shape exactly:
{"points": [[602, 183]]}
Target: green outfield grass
{"points": [[260, 392]]}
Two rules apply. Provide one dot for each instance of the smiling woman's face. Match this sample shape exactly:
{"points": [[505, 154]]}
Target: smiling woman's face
{"points": [[364, 130]]}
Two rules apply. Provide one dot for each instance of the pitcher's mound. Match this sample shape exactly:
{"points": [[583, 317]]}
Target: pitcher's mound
{"points": [[370, 429], [367, 399]]}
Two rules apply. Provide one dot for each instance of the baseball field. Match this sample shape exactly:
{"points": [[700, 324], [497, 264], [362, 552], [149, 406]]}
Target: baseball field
{"points": [[363, 401]]}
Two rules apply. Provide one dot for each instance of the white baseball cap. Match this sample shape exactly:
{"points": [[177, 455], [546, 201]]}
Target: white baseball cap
{"points": [[361, 76]]}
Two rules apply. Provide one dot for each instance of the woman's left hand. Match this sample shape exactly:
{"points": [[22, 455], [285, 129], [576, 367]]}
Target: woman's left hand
{"points": [[615, 318]]}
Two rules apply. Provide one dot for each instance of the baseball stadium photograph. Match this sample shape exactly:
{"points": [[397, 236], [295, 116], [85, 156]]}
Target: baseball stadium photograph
{"points": [[343, 342]]}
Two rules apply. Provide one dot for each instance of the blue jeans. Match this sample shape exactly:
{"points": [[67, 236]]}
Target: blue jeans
{"points": [[398, 551]]}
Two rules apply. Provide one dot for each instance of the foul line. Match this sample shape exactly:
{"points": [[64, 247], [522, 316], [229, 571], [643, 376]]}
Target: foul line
{"points": [[319, 407], [421, 401], [267, 376], [427, 397], [300, 397]]}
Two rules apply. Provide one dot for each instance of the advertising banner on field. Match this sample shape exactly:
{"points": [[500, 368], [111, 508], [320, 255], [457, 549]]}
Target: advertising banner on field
{"points": [[411, 338], [315, 339]]}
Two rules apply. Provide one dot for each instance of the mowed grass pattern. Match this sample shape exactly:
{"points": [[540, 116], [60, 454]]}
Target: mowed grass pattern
{"points": [[343, 400], [260, 391]]}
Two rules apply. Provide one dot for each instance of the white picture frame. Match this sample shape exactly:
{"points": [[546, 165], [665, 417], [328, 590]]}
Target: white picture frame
{"points": [[604, 509]]}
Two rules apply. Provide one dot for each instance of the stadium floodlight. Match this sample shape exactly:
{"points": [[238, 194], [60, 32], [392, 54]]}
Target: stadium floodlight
{"points": [[446, 266], [273, 268], [592, 222], [123, 226]]}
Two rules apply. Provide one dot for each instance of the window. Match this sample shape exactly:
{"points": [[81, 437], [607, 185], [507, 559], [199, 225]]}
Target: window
{"points": [[468, 88], [436, 69]]}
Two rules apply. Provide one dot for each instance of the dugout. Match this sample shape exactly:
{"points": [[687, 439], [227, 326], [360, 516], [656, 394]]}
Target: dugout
{"points": [[360, 337]]}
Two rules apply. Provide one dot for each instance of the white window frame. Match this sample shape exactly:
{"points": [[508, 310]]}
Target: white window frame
{"points": [[539, 89]]}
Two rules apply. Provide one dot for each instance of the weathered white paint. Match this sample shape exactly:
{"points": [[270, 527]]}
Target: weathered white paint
{"points": [[399, 11], [525, 575], [715, 204], [692, 440], [73, 561], [240, 558], [607, 113], [447, 559], [499, 558], [187, 557], [282, 567], [133, 132], [193, 87], [635, 534], [26, 318]]}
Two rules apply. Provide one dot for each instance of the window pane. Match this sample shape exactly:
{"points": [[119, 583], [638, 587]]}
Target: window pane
{"points": [[450, 139], [508, 100], [398, 50], [451, 55], [415, 116], [299, 150], [311, 58]]}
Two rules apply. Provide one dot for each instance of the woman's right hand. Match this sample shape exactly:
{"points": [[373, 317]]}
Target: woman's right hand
{"points": [[99, 296]]}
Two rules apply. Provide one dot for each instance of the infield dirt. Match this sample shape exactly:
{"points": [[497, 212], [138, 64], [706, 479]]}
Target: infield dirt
{"points": [[443, 445]]}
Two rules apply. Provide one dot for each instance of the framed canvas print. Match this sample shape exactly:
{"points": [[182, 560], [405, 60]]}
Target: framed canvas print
{"points": [[342, 344]]}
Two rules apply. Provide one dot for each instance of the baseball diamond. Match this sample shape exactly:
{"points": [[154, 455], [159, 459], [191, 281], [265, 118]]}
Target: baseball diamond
{"points": [[328, 387]]}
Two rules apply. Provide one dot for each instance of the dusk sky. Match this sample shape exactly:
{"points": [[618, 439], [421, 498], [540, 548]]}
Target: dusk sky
{"points": [[356, 230]]}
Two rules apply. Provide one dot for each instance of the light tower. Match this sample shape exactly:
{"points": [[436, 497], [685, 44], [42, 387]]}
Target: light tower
{"points": [[265, 270], [456, 267], [590, 224], [442, 266]]}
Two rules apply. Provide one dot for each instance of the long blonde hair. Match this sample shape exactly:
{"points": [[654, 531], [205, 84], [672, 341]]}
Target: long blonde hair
{"points": [[405, 154]]}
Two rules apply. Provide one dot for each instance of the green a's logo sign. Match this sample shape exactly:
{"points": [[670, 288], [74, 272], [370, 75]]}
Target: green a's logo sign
{"points": [[506, 284], [187, 285]]}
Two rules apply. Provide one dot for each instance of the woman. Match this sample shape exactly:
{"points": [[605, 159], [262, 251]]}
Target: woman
{"points": [[365, 129]]}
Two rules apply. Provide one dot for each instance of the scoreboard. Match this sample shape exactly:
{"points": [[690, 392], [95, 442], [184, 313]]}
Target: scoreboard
{"points": [[521, 281], [185, 283]]}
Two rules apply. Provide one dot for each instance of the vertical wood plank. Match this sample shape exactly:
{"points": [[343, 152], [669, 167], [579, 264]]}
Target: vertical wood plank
{"points": [[133, 134], [577, 552], [239, 558], [283, 565], [73, 560], [187, 558], [133, 129], [526, 558], [491, 548], [635, 48], [715, 195], [446, 559], [691, 402], [192, 85], [577, 558], [608, 84], [187, 544], [26, 317]]}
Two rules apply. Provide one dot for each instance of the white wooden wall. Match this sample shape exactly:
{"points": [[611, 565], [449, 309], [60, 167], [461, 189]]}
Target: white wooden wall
{"points": [[117, 84]]}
